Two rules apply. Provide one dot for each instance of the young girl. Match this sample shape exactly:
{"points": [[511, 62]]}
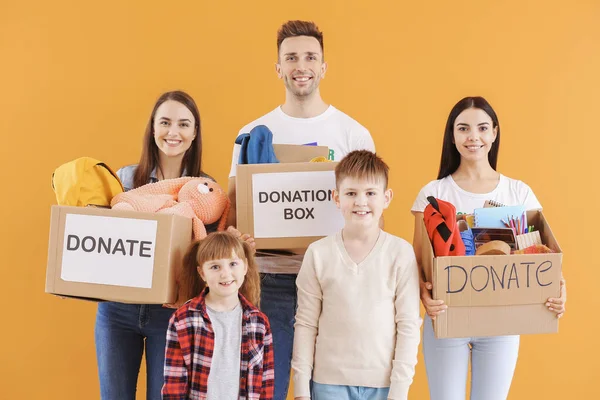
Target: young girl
{"points": [[219, 345], [172, 147], [467, 177]]}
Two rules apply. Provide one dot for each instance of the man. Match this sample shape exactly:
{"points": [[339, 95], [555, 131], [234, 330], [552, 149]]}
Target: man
{"points": [[303, 119]]}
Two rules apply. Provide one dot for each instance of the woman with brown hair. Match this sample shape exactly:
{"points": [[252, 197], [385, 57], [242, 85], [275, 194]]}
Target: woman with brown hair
{"points": [[467, 177], [172, 147]]}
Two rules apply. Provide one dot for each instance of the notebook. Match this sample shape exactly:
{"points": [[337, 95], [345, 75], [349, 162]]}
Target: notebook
{"points": [[491, 217], [492, 203]]}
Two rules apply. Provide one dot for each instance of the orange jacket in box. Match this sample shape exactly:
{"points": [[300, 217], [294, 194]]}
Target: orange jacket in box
{"points": [[442, 229]]}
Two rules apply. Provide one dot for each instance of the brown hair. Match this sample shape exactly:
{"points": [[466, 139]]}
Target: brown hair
{"points": [[192, 159], [362, 164], [216, 246], [299, 28]]}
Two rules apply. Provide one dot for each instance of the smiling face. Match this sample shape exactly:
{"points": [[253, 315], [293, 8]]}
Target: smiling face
{"points": [[362, 201], [174, 129], [474, 134], [301, 65], [224, 277]]}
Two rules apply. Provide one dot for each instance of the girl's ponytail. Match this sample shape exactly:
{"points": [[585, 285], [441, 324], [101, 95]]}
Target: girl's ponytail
{"points": [[190, 277], [251, 286]]}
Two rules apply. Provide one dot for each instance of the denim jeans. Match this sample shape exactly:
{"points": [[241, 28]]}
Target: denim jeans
{"points": [[493, 362], [278, 301], [122, 332], [339, 392]]}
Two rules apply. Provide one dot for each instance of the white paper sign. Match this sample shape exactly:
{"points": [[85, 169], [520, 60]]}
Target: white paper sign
{"points": [[295, 204], [109, 250]]}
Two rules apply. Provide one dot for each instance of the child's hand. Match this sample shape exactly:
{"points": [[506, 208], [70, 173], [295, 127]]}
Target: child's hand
{"points": [[432, 307], [558, 305], [245, 237]]}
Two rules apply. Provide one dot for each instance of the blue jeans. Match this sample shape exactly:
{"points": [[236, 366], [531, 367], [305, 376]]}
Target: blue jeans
{"points": [[339, 392], [122, 331], [278, 301], [493, 362]]}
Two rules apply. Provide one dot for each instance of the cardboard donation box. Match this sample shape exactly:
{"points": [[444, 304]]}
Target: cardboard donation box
{"points": [[124, 256], [491, 295], [289, 205]]}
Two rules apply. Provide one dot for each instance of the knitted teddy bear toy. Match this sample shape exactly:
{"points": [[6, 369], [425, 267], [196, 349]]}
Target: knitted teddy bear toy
{"points": [[200, 199]]}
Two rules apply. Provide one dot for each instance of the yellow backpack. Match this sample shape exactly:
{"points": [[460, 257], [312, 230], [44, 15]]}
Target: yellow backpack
{"points": [[85, 181]]}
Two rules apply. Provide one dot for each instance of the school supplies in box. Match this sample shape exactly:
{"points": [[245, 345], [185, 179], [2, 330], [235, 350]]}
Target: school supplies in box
{"points": [[492, 203], [493, 248], [518, 224], [535, 249], [468, 218], [485, 235], [477, 293], [492, 217], [528, 239]]}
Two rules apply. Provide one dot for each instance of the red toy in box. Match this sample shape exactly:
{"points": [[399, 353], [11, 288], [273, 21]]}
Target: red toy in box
{"points": [[442, 229]]}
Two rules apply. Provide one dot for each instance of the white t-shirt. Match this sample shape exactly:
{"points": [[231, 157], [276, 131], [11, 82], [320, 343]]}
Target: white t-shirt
{"points": [[224, 376], [509, 192], [332, 128]]}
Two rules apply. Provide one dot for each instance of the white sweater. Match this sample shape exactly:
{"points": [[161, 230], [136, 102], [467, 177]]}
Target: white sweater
{"points": [[357, 325]]}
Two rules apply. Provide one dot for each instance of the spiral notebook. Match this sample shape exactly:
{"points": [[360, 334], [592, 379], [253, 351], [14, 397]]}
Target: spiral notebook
{"points": [[491, 217], [492, 203]]}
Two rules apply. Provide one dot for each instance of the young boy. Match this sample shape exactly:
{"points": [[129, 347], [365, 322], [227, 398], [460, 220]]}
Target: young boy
{"points": [[357, 324]]}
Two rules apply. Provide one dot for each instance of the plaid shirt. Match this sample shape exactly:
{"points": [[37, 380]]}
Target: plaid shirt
{"points": [[190, 346]]}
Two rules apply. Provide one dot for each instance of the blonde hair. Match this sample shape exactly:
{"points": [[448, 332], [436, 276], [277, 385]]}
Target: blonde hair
{"points": [[216, 246], [362, 164]]}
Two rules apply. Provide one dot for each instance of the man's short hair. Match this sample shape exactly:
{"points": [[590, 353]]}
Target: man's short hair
{"points": [[362, 164], [299, 28]]}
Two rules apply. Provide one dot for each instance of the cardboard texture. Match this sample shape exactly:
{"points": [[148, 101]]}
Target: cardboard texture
{"points": [[139, 271], [495, 295], [293, 153], [300, 212], [273, 230]]}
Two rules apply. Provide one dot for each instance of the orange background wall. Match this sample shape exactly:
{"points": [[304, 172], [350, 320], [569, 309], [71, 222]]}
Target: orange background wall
{"points": [[79, 78]]}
